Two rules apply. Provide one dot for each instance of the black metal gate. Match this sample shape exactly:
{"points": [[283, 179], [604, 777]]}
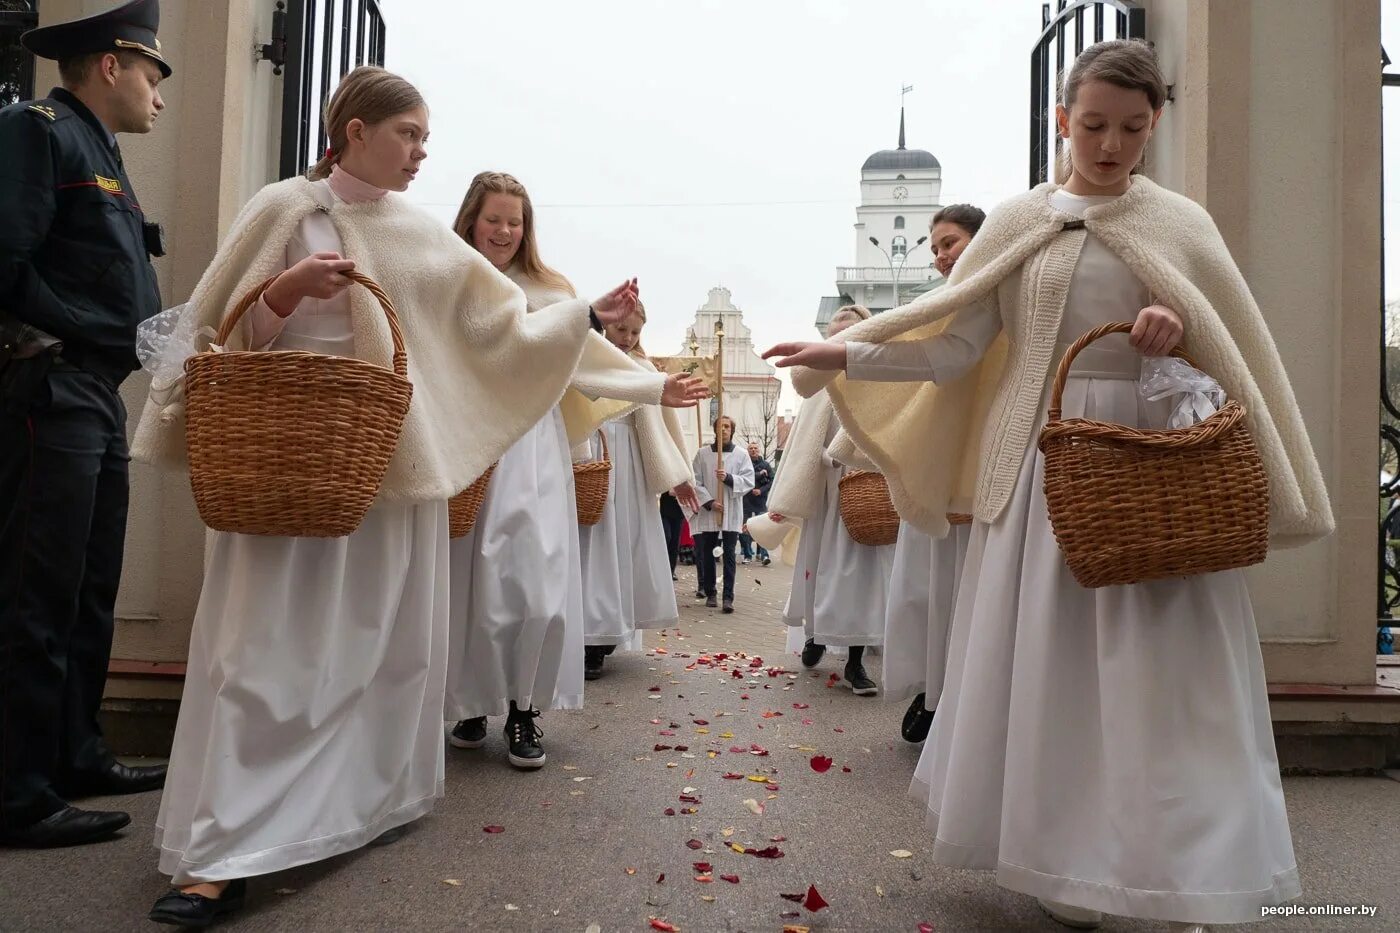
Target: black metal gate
{"points": [[1129, 21], [1388, 537], [16, 64], [317, 42]]}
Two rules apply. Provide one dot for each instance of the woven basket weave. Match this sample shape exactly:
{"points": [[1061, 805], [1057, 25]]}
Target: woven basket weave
{"points": [[463, 507], [591, 486], [1131, 504], [866, 510], [287, 442]]}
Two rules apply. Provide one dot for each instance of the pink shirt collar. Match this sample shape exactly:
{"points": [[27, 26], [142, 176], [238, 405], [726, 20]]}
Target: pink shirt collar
{"points": [[352, 190]]}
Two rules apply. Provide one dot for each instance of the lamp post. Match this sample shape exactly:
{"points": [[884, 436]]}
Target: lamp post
{"points": [[699, 419], [895, 270]]}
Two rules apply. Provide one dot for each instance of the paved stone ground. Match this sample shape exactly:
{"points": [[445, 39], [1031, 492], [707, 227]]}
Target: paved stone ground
{"points": [[586, 838]]}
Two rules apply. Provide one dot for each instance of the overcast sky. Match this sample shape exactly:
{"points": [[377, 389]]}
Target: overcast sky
{"points": [[719, 142]]}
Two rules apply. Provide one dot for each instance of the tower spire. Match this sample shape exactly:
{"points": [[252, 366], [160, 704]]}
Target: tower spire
{"points": [[901, 126]]}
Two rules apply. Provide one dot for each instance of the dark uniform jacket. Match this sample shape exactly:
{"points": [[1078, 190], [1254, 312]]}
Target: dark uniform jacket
{"points": [[74, 258], [763, 481]]}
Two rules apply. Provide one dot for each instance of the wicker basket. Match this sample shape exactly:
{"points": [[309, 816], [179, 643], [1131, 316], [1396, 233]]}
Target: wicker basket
{"points": [[591, 486], [291, 443], [866, 510], [1130, 504], [462, 508]]}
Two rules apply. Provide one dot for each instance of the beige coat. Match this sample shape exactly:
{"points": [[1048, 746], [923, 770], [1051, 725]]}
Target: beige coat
{"points": [[946, 447]]}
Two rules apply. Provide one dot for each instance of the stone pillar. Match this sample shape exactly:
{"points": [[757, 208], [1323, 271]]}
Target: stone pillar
{"points": [[1275, 129]]}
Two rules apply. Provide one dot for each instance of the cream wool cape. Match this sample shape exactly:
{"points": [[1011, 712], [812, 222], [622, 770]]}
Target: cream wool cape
{"points": [[799, 481], [959, 446], [465, 328]]}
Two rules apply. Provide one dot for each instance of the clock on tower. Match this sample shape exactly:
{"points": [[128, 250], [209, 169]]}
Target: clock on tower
{"points": [[900, 192]]}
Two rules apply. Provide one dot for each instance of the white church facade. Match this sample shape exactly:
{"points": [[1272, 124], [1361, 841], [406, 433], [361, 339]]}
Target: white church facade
{"points": [[899, 194], [750, 387]]}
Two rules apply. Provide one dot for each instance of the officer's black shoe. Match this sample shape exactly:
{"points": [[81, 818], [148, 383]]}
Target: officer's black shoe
{"points": [[593, 656], [728, 606], [699, 594], [812, 653], [861, 685], [179, 909], [68, 827], [523, 737], [917, 721], [117, 778], [469, 733], [608, 650], [711, 602]]}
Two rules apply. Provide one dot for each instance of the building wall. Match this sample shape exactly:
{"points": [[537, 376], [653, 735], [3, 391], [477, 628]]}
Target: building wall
{"points": [[212, 148], [1275, 130]]}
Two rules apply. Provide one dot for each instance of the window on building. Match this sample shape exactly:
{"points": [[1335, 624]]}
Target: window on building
{"points": [[899, 223], [897, 245], [899, 177]]}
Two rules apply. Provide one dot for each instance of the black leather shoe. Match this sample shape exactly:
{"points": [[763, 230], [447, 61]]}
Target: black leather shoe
{"points": [[68, 827], [917, 721], [116, 779], [812, 653], [711, 602], [728, 606], [179, 909], [699, 594], [593, 656]]}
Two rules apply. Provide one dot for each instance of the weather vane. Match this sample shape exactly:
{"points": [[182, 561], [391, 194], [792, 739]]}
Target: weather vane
{"points": [[905, 89]]}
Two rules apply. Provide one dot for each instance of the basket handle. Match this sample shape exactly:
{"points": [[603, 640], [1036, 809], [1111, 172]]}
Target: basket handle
{"points": [[247, 301], [1098, 333], [603, 436]]}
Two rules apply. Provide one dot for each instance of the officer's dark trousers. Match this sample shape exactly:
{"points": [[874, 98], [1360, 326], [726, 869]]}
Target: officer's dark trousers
{"points": [[63, 502], [705, 544]]}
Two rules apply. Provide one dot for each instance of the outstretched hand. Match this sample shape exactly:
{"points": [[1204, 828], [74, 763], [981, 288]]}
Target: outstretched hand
{"points": [[830, 356], [682, 391], [686, 496], [618, 304]]}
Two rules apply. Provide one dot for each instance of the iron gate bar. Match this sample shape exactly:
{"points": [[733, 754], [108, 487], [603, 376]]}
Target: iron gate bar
{"points": [[327, 40], [345, 23]]}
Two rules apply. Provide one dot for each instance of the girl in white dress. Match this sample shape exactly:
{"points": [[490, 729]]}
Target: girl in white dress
{"points": [[310, 721], [626, 574], [924, 582], [839, 587], [1104, 750], [517, 592]]}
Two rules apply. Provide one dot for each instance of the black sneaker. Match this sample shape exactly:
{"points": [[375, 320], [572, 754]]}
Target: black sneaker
{"points": [[711, 602], [812, 653], [767, 561], [917, 721], [523, 738], [593, 656], [861, 685], [469, 733], [728, 606]]}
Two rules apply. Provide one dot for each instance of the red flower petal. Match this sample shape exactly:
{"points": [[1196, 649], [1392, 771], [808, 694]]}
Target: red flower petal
{"points": [[820, 764], [695, 844], [689, 798], [732, 879], [736, 675], [661, 748], [778, 839], [703, 868], [795, 898], [701, 722], [661, 877], [653, 689], [770, 852], [493, 829], [662, 925], [845, 769], [682, 748], [669, 811], [925, 928], [801, 706], [771, 787], [814, 901], [731, 776]]}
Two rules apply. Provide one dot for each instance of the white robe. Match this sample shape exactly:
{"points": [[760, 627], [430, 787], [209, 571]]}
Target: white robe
{"points": [[517, 593], [1108, 748], [919, 615], [626, 575], [739, 468], [839, 587], [311, 715]]}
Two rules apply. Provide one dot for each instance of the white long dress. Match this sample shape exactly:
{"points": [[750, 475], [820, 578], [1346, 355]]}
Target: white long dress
{"points": [[839, 587], [311, 715], [1107, 748], [626, 575], [919, 616], [517, 593]]}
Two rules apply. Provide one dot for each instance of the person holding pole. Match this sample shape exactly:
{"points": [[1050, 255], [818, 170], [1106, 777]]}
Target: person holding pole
{"points": [[722, 477]]}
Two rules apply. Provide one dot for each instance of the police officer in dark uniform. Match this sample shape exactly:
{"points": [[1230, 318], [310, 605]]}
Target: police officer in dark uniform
{"points": [[75, 279]]}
